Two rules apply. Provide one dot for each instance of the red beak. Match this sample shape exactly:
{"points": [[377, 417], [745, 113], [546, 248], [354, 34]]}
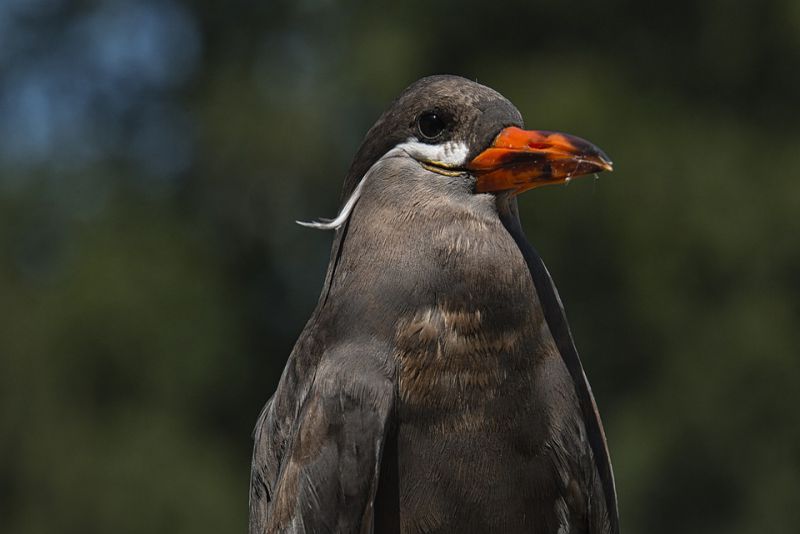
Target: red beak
{"points": [[519, 160]]}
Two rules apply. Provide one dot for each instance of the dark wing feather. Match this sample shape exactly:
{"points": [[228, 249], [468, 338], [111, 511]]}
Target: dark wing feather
{"points": [[559, 328], [316, 470]]}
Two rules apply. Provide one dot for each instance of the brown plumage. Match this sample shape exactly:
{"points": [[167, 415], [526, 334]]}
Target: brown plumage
{"points": [[436, 387]]}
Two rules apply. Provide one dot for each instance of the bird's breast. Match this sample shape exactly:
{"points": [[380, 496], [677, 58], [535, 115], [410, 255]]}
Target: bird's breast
{"points": [[455, 292], [451, 293], [468, 349], [473, 417]]}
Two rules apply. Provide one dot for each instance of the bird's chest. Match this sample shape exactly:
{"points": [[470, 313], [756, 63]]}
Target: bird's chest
{"points": [[472, 415], [475, 361], [466, 321], [467, 351]]}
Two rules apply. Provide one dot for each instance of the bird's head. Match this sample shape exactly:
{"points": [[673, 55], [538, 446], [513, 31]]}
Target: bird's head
{"points": [[458, 128]]}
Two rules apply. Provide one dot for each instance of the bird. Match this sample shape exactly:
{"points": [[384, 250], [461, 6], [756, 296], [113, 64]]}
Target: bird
{"points": [[436, 387]]}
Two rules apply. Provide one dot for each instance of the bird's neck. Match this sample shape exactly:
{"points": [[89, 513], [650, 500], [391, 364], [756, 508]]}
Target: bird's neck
{"points": [[444, 254]]}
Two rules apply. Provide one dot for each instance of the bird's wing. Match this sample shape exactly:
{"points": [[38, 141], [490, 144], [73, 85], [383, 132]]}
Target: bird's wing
{"points": [[316, 460], [559, 328]]}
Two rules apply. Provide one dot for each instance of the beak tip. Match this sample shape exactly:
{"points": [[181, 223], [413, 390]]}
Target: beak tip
{"points": [[605, 162]]}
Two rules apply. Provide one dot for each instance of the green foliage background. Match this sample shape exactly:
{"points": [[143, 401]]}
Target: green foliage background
{"points": [[153, 158]]}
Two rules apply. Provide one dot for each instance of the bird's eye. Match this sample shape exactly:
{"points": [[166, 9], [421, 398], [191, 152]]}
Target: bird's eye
{"points": [[430, 124]]}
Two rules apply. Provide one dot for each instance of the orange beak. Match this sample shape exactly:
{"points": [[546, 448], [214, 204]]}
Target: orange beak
{"points": [[519, 160]]}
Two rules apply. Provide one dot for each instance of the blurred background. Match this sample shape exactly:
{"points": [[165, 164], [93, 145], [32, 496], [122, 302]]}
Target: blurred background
{"points": [[153, 158]]}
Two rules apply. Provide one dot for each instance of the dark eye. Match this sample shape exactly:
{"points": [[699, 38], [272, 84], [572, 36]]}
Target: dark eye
{"points": [[430, 124]]}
